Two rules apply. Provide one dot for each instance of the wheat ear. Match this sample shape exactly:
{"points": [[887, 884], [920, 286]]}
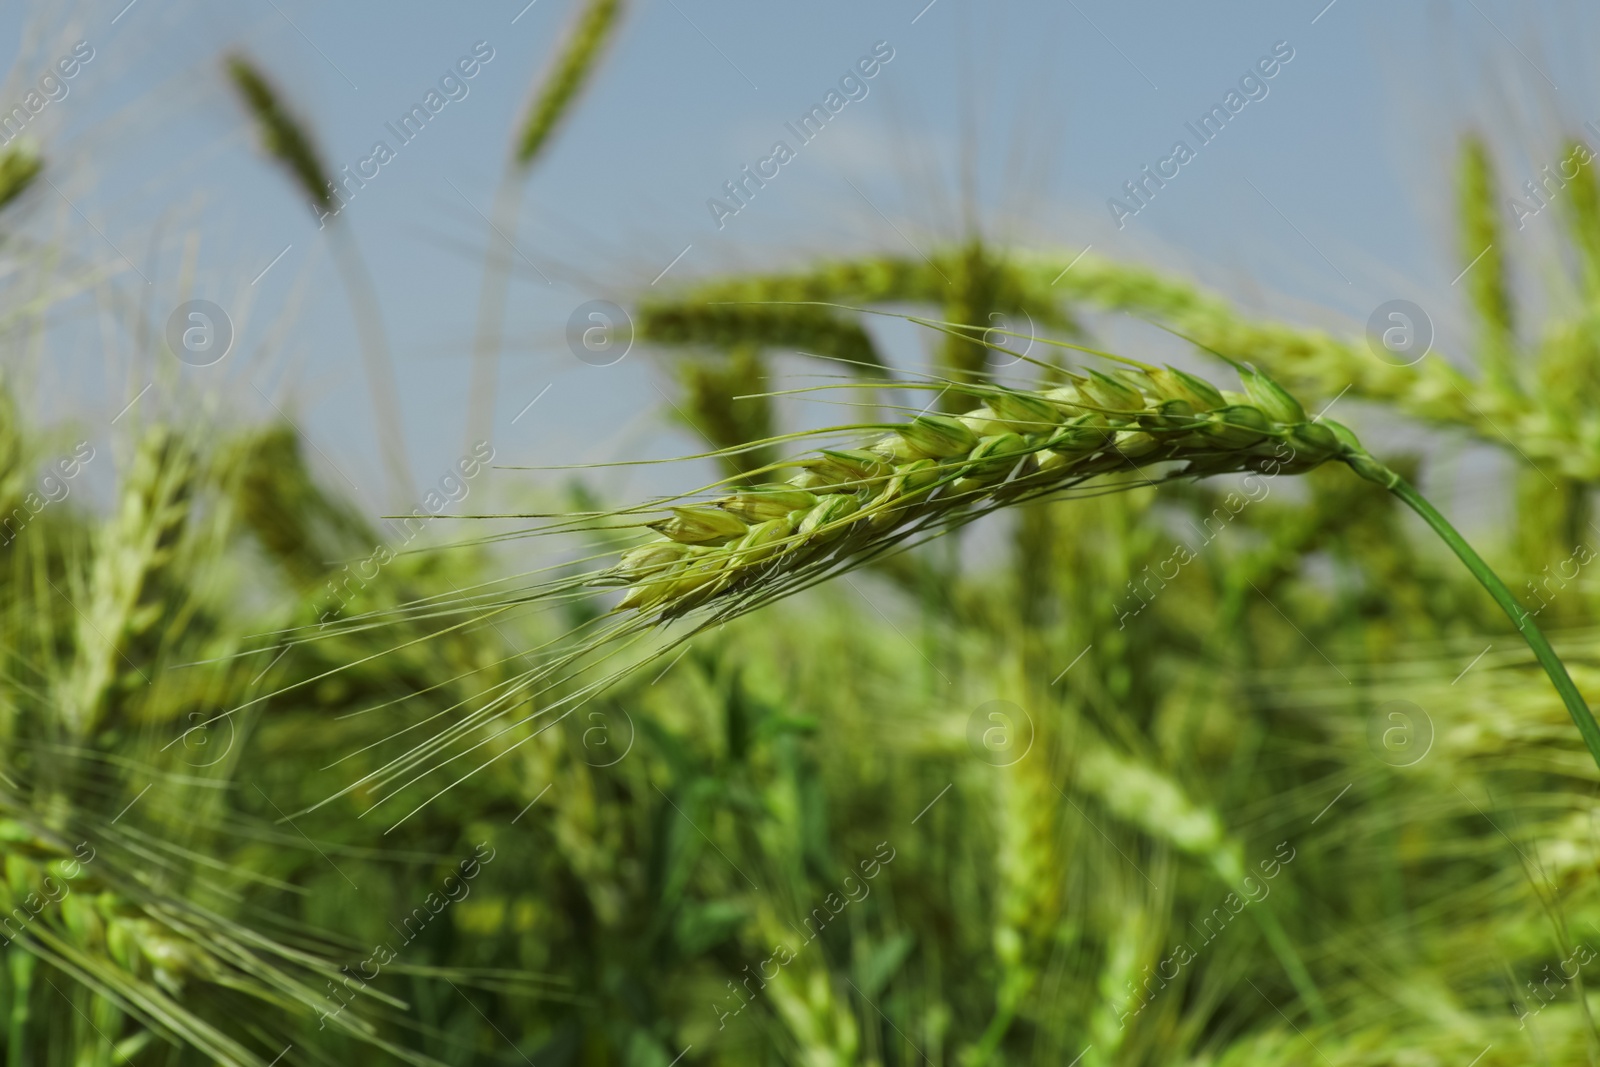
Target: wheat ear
{"points": [[936, 472], [842, 506], [285, 139], [557, 92], [585, 42], [19, 166]]}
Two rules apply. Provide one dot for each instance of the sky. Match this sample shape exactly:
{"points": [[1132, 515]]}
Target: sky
{"points": [[1326, 196]]}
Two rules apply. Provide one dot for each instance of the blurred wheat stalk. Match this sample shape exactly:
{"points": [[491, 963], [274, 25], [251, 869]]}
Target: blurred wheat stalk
{"points": [[285, 139], [554, 96]]}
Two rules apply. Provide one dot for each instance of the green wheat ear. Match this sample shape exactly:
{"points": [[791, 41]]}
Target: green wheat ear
{"points": [[1481, 251], [300, 527], [586, 42], [802, 309], [286, 140], [20, 164], [695, 320], [844, 507], [980, 283], [1583, 213], [282, 136], [726, 405], [557, 91]]}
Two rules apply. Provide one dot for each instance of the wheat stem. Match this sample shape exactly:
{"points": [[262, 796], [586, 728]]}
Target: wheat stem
{"points": [[1576, 707], [489, 337], [1282, 947], [558, 91], [376, 361], [288, 140]]}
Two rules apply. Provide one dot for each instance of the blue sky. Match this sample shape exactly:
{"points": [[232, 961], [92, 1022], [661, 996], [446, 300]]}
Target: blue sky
{"points": [[1321, 200]]}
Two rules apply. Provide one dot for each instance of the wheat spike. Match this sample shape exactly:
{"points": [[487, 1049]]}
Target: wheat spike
{"points": [[980, 285], [154, 955], [970, 282], [20, 164], [579, 57], [937, 471], [1318, 363], [1127, 950], [300, 526], [552, 101], [1481, 248], [137, 547], [724, 406], [1546, 431], [697, 320], [285, 138], [1547, 523], [1583, 211], [1029, 875], [282, 135]]}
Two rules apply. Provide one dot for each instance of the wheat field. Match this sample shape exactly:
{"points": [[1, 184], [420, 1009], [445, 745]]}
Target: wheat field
{"points": [[1073, 691]]}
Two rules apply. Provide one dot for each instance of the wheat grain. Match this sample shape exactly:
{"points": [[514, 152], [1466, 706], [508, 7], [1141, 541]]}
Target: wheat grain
{"points": [[136, 549]]}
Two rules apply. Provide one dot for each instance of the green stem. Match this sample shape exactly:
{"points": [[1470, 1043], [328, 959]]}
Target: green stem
{"points": [[22, 967], [1376, 472], [1299, 977]]}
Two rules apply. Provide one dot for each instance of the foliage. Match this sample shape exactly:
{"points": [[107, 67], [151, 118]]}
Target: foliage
{"points": [[1237, 774]]}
